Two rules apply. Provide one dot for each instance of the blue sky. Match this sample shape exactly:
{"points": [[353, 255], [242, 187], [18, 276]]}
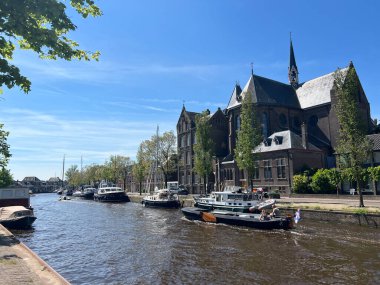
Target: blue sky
{"points": [[155, 55]]}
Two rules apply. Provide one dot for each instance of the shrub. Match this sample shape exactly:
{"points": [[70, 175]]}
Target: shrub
{"points": [[274, 195], [321, 183], [301, 184]]}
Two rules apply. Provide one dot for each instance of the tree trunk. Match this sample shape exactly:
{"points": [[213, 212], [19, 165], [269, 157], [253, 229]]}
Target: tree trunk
{"points": [[374, 187], [204, 184], [361, 201]]}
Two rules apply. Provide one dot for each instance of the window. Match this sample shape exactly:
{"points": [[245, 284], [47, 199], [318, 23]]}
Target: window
{"points": [[283, 120], [237, 122], [188, 158], [256, 171], [183, 141], [267, 169], [264, 124], [189, 139], [281, 168]]}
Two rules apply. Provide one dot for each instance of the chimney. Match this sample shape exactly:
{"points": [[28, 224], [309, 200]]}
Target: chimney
{"points": [[304, 135]]}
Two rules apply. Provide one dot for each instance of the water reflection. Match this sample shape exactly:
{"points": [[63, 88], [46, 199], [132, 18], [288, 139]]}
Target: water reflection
{"points": [[95, 243]]}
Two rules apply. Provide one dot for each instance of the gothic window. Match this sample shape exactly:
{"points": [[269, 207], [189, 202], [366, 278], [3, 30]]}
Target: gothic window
{"points": [[264, 124], [283, 120], [237, 122], [189, 139], [281, 168]]}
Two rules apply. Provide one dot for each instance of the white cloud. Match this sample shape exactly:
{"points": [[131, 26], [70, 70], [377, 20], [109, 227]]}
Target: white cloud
{"points": [[40, 139]]}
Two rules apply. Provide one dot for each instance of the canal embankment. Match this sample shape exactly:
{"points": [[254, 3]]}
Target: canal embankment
{"points": [[20, 265]]}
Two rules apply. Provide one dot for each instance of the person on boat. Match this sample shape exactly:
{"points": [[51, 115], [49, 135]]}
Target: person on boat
{"points": [[264, 215], [275, 212]]}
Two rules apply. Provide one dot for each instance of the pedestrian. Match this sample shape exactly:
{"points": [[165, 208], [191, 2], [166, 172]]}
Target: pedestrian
{"points": [[297, 216]]}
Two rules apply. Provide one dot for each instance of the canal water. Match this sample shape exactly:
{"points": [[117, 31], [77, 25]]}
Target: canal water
{"points": [[94, 243]]}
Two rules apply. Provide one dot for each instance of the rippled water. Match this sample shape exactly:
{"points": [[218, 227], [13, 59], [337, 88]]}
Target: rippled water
{"points": [[94, 243]]}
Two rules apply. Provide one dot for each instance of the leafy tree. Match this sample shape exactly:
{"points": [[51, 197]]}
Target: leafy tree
{"points": [[73, 175], [166, 150], [140, 168], [353, 145], [40, 26], [6, 178], [203, 149], [4, 147], [117, 168], [301, 184], [159, 153], [89, 174], [248, 138], [374, 175], [321, 183], [335, 178]]}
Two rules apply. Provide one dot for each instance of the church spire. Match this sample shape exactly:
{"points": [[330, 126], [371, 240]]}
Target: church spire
{"points": [[293, 70]]}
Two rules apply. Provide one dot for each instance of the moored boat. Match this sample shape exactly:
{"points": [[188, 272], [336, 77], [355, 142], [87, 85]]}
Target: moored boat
{"points": [[86, 193], [111, 194], [16, 217], [234, 201], [162, 198], [237, 219]]}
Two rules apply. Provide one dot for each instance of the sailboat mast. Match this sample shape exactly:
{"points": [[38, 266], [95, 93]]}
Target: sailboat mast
{"points": [[156, 161], [63, 171]]}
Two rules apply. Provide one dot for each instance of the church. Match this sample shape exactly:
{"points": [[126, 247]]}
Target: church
{"points": [[299, 129]]}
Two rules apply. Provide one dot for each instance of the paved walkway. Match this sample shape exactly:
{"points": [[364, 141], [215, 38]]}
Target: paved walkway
{"points": [[332, 202], [19, 265]]}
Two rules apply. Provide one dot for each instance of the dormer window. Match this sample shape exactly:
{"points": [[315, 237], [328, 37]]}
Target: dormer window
{"points": [[278, 140], [268, 142]]}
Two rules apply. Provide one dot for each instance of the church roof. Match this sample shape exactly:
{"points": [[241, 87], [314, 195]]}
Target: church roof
{"points": [[316, 92], [282, 141], [266, 91]]}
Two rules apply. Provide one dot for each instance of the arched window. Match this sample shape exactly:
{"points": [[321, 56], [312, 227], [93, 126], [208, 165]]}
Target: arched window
{"points": [[237, 122], [264, 124], [283, 120]]}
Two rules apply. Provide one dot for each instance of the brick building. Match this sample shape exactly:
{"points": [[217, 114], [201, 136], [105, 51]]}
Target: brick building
{"points": [[298, 123]]}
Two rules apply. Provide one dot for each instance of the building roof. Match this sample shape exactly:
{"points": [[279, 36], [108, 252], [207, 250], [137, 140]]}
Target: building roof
{"points": [[316, 92], [283, 141], [375, 138], [31, 178], [54, 179], [266, 91]]}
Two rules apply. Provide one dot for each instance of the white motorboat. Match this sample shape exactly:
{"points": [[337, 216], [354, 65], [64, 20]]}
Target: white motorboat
{"points": [[16, 217], [235, 201], [111, 194]]}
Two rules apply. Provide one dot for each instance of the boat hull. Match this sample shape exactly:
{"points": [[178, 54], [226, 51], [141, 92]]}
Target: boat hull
{"points": [[237, 220], [19, 223], [161, 204], [112, 198], [210, 207]]}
